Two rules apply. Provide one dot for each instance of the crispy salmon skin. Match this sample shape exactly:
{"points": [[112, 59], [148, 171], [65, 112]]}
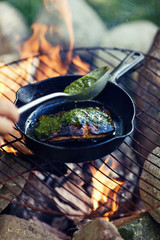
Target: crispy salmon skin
{"points": [[78, 123]]}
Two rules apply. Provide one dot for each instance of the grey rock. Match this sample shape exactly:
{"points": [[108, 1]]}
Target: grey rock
{"points": [[13, 228], [150, 183], [11, 188], [12, 27], [150, 92], [98, 229], [135, 35], [142, 228], [88, 28], [9, 58]]}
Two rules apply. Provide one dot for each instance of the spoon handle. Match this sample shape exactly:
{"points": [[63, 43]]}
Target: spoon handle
{"points": [[126, 64], [41, 100]]}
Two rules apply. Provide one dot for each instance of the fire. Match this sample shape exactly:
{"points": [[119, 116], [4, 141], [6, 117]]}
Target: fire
{"points": [[8, 85], [50, 60], [9, 149], [63, 9], [83, 67], [105, 190], [41, 59]]}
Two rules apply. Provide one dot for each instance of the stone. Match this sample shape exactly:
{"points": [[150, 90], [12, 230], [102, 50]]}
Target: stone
{"points": [[148, 88], [8, 58], [98, 229], [150, 177], [13, 228], [13, 27], [88, 27], [142, 228], [135, 35], [11, 183]]}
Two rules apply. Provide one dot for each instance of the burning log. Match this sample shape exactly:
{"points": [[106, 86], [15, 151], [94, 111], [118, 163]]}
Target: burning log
{"points": [[113, 188], [105, 190], [77, 202], [71, 198]]}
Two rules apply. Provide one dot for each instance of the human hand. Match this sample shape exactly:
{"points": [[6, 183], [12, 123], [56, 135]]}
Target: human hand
{"points": [[8, 116]]}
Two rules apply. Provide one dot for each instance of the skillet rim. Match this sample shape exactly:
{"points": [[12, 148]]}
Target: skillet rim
{"points": [[52, 146]]}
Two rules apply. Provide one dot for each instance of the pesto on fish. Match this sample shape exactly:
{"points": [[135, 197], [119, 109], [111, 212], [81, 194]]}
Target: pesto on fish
{"points": [[76, 123]]}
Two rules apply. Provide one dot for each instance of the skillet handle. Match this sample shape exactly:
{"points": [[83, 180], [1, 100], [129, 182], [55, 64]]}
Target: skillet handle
{"points": [[125, 65]]}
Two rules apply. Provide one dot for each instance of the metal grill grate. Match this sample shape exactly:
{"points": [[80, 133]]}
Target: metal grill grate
{"points": [[67, 190]]}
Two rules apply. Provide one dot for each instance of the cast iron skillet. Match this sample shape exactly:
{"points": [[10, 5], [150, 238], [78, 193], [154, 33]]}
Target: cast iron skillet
{"points": [[115, 99]]}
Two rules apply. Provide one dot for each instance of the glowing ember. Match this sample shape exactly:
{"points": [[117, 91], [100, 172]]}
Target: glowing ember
{"points": [[105, 190], [9, 149]]}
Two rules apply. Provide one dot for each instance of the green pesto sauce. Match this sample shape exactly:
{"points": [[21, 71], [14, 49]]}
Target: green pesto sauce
{"points": [[80, 85], [48, 124], [86, 81]]}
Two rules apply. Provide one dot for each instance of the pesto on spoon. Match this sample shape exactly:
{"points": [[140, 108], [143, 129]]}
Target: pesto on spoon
{"points": [[84, 88], [87, 88], [85, 82]]}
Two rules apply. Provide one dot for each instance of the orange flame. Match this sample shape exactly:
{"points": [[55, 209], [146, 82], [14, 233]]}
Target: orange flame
{"points": [[63, 9], [105, 189], [9, 149], [41, 59], [83, 67], [50, 62], [12, 78]]}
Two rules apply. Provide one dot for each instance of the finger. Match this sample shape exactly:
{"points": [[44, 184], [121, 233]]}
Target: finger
{"points": [[9, 110], [6, 126]]}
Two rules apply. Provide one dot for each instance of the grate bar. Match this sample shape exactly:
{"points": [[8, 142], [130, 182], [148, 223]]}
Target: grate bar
{"points": [[149, 100]]}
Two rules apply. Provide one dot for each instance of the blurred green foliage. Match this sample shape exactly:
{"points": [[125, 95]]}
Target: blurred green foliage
{"points": [[28, 8], [113, 12]]}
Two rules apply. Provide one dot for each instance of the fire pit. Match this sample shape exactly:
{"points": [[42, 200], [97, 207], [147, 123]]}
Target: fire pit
{"points": [[65, 195]]}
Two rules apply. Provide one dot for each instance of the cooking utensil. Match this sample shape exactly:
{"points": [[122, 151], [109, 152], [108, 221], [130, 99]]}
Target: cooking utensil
{"points": [[114, 98], [86, 94], [92, 91]]}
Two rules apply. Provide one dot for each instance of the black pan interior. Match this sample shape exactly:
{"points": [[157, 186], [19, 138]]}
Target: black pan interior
{"points": [[58, 106]]}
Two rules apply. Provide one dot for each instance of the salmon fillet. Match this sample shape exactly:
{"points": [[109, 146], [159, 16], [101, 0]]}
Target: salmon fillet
{"points": [[78, 123]]}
